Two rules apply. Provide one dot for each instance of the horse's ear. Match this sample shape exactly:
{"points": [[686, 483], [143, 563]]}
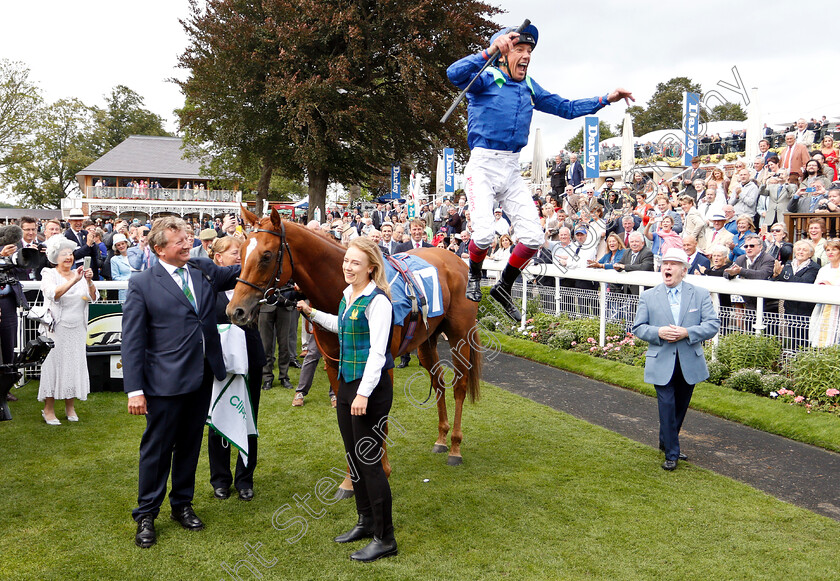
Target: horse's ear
{"points": [[250, 217], [275, 217]]}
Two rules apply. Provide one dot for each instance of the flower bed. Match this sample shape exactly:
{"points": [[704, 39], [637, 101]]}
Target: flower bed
{"points": [[743, 362]]}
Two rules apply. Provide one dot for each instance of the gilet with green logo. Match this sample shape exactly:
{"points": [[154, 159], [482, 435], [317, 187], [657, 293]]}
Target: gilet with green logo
{"points": [[354, 338]]}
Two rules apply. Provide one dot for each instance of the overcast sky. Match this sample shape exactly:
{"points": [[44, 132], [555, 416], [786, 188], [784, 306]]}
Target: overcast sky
{"points": [[84, 48]]}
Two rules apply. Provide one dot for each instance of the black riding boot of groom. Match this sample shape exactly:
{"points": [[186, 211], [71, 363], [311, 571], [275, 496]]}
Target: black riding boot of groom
{"points": [[474, 283], [502, 289]]}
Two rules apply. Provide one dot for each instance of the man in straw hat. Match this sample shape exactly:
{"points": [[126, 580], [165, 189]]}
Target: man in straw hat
{"points": [[674, 317]]}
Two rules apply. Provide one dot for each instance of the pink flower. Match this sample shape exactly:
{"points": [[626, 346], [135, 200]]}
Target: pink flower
{"points": [[832, 392], [784, 391], [593, 349], [617, 349], [799, 399], [574, 343], [590, 340]]}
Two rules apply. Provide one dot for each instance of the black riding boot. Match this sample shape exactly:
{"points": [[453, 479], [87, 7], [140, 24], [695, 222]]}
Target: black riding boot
{"points": [[362, 530], [383, 544], [474, 283], [501, 292]]}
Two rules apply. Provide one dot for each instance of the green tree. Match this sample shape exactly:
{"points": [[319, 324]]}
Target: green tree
{"points": [[327, 90], [124, 115], [19, 103], [664, 110], [576, 142], [727, 112], [42, 169]]}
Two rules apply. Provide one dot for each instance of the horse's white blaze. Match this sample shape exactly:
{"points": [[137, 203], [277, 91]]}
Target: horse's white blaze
{"points": [[251, 245]]}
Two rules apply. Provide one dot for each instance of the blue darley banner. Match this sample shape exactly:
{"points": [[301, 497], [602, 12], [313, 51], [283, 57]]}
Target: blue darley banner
{"points": [[592, 144], [395, 181], [691, 125], [449, 170]]}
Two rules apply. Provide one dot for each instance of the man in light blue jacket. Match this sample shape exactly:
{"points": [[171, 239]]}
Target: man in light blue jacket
{"points": [[675, 318]]}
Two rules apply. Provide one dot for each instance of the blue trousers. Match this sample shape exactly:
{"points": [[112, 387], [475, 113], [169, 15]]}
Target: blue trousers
{"points": [[673, 399]]}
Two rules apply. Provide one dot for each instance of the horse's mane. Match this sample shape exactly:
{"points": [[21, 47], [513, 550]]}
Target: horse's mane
{"points": [[320, 236]]}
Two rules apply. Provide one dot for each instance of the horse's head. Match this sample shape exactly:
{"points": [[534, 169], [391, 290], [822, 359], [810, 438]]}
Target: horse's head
{"points": [[266, 266]]}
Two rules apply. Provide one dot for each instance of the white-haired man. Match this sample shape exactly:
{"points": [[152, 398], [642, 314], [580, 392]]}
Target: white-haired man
{"points": [[674, 317]]}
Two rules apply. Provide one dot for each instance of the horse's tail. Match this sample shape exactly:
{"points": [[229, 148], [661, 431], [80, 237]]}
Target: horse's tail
{"points": [[474, 376]]}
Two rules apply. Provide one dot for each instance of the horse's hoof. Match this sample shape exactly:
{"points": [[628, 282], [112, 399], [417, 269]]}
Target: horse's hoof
{"points": [[440, 448], [454, 460], [343, 493]]}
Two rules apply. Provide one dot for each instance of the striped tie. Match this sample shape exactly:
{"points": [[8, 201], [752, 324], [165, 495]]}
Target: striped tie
{"points": [[182, 272]]}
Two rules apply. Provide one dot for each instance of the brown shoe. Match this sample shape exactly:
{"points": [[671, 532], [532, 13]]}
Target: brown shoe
{"points": [[298, 401], [333, 401]]}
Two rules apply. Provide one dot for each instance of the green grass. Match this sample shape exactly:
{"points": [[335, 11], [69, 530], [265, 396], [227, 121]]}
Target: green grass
{"points": [[794, 422], [541, 495]]}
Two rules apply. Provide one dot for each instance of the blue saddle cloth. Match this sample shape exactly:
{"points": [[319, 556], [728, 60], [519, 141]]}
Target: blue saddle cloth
{"points": [[425, 275]]}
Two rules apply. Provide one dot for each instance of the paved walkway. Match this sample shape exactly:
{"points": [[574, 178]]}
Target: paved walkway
{"points": [[798, 473]]}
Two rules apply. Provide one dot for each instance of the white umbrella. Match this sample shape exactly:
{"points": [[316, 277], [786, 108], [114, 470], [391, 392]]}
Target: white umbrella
{"points": [[754, 133], [628, 154], [538, 168]]}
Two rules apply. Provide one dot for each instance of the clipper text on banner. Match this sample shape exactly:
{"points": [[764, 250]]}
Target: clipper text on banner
{"points": [[449, 170], [691, 125], [592, 142], [395, 181]]}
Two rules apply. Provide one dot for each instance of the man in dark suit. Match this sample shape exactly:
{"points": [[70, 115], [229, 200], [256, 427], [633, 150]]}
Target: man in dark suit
{"points": [[87, 245], [417, 241], [574, 172], [388, 244], [379, 216], [624, 227], [170, 353], [695, 173], [753, 264], [637, 257], [557, 175], [675, 318], [697, 261]]}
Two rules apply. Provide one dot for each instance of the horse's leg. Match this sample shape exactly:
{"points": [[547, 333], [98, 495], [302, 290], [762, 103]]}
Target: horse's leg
{"points": [[461, 357], [345, 489], [428, 355]]}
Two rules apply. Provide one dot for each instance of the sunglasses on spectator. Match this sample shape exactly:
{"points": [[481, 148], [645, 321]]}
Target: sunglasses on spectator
{"points": [[776, 230], [750, 245]]}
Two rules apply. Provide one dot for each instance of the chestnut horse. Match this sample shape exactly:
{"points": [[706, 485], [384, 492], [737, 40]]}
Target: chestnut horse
{"points": [[278, 251]]}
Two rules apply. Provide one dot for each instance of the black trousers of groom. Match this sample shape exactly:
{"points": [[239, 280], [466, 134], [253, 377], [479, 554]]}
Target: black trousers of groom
{"points": [[172, 441]]}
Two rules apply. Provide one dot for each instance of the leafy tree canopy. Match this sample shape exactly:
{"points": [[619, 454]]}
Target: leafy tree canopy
{"points": [[326, 89], [664, 110], [19, 103]]}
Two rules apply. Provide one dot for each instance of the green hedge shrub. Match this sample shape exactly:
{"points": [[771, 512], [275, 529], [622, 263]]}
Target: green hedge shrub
{"points": [[718, 372], [749, 380], [740, 350], [815, 371]]}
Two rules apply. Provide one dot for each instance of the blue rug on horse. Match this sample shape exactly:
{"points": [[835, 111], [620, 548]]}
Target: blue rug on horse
{"points": [[425, 274]]}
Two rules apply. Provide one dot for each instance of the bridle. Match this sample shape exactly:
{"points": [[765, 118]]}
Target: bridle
{"points": [[272, 291]]}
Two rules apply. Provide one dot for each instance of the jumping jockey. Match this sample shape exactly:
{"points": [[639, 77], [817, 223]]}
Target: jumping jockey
{"points": [[499, 106]]}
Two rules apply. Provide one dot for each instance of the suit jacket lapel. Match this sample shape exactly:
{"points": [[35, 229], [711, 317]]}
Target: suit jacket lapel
{"points": [[686, 299], [196, 274], [662, 294]]}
